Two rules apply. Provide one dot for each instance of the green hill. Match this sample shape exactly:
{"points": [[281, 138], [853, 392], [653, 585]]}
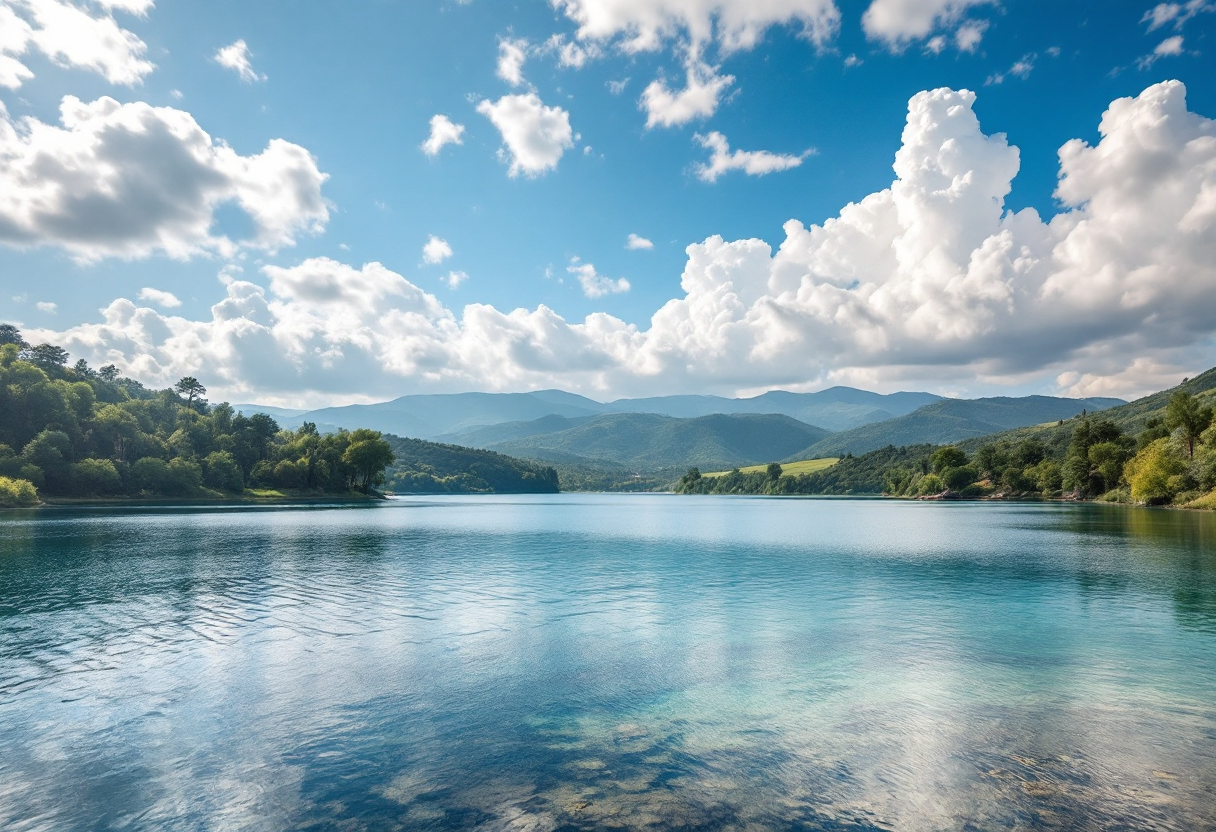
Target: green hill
{"points": [[949, 421], [432, 468], [488, 435], [1129, 417], [649, 442]]}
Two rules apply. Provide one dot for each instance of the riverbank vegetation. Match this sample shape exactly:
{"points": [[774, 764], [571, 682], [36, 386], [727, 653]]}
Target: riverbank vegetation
{"points": [[423, 467], [77, 432], [1170, 461]]}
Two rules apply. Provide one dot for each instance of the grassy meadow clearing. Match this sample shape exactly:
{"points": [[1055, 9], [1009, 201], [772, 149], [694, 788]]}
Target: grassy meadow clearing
{"points": [[805, 466]]}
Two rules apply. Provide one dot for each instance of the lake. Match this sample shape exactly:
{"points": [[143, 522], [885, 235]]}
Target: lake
{"points": [[608, 661]]}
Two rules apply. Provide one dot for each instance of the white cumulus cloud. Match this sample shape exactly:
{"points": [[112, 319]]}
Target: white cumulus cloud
{"points": [[929, 281], [699, 99], [900, 22], [512, 52], [128, 180], [236, 57], [637, 242], [454, 279], [643, 25], [160, 297], [443, 132], [596, 285], [436, 250], [535, 136], [571, 53], [752, 162], [71, 36]]}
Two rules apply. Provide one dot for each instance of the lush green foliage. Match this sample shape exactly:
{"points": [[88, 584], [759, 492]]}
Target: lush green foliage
{"points": [[15, 492], [79, 432], [1172, 460], [1133, 418], [431, 468], [864, 474]]}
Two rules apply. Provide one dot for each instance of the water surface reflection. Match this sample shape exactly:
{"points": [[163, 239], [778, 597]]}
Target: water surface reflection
{"points": [[590, 662]]}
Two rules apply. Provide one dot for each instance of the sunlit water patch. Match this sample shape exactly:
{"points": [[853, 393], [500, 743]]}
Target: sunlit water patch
{"points": [[593, 662]]}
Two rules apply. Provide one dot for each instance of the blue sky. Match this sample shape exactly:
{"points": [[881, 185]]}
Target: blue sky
{"points": [[824, 89]]}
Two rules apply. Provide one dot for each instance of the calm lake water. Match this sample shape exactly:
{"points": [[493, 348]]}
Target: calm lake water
{"points": [[591, 662]]}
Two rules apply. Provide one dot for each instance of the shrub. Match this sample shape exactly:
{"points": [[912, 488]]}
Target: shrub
{"points": [[1155, 474], [288, 474], [220, 470], [15, 492], [95, 476], [959, 478], [151, 474], [178, 478], [930, 484], [185, 477]]}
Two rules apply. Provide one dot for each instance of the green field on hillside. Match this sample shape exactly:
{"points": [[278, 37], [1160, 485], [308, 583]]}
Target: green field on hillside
{"points": [[793, 469]]}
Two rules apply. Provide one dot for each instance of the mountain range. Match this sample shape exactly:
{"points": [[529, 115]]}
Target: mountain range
{"points": [[952, 420], [662, 433], [432, 416], [651, 442]]}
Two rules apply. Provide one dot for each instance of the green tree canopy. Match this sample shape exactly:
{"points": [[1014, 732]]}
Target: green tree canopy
{"points": [[368, 454], [1184, 413]]}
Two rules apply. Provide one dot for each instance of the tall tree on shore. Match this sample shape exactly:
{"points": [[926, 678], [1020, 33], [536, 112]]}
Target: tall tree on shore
{"points": [[191, 388], [368, 454], [1184, 412]]}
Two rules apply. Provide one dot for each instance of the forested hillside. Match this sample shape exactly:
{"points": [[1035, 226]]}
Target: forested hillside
{"points": [[1159, 450], [431, 468], [80, 432]]}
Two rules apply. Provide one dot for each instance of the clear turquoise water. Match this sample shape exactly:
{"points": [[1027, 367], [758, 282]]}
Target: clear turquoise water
{"points": [[592, 662]]}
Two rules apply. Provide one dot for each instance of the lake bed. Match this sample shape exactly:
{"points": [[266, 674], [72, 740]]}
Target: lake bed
{"points": [[608, 661]]}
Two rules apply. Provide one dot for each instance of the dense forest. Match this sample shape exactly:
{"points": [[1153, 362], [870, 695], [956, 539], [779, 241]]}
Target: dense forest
{"points": [[432, 468], [78, 432], [1170, 460]]}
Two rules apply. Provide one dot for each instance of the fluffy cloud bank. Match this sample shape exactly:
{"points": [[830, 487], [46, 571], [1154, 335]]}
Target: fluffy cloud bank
{"points": [[930, 278], [900, 22], [71, 36], [643, 25], [128, 180]]}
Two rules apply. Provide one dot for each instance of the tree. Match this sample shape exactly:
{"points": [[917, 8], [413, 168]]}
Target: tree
{"points": [[108, 373], [191, 388], [368, 455], [1080, 472], [1152, 473], [221, 471], [82, 369], [947, 457], [95, 476], [9, 334], [46, 356], [1106, 461], [1185, 413], [773, 471]]}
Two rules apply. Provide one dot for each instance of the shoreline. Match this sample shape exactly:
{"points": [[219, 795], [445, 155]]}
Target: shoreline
{"points": [[200, 500]]}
